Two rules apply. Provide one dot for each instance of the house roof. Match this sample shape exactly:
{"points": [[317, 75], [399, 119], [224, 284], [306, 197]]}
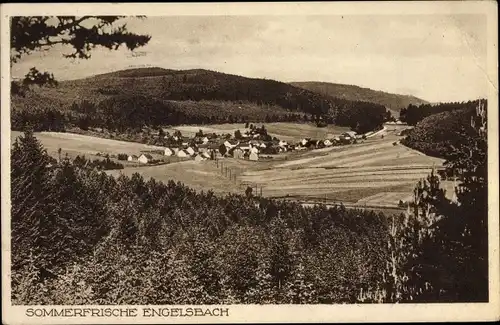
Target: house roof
{"points": [[147, 155]]}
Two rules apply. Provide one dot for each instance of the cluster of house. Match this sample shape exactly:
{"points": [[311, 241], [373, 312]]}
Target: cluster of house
{"points": [[204, 148]]}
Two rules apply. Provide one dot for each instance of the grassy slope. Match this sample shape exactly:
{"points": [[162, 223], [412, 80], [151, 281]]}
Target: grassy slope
{"points": [[292, 132], [372, 173], [394, 102]]}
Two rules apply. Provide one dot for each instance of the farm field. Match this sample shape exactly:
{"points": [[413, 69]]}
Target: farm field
{"points": [[201, 176], [374, 173], [292, 132], [77, 144]]}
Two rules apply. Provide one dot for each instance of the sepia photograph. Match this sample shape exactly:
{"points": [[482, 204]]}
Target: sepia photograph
{"points": [[209, 160]]}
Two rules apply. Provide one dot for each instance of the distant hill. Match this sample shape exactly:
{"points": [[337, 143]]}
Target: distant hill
{"points": [[437, 134], [414, 114], [393, 102], [213, 97], [196, 85]]}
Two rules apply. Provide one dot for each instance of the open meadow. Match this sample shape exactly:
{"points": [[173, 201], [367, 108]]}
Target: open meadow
{"points": [[78, 144], [291, 132], [377, 172]]}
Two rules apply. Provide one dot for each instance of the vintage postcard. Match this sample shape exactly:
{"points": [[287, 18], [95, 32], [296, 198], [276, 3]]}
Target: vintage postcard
{"points": [[249, 162]]}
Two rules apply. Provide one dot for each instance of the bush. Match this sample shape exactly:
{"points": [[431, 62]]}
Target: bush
{"points": [[122, 156]]}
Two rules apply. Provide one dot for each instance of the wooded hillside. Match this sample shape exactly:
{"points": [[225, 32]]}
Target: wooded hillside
{"points": [[197, 96], [394, 102]]}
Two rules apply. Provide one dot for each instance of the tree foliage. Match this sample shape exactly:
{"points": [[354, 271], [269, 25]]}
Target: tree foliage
{"points": [[416, 113], [441, 134], [439, 249], [81, 34], [128, 240]]}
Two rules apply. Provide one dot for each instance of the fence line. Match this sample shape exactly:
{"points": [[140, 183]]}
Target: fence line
{"points": [[228, 172]]}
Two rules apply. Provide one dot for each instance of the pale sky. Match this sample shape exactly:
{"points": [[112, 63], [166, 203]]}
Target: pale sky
{"points": [[434, 57]]}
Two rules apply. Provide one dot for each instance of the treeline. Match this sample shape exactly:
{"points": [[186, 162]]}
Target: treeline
{"points": [[361, 117], [440, 134], [122, 113], [416, 113], [99, 164]]}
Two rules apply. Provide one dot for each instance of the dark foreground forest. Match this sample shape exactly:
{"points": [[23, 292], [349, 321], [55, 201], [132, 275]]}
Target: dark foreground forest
{"points": [[82, 237]]}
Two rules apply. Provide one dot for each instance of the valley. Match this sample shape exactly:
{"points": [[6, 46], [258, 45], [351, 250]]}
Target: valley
{"points": [[376, 173]]}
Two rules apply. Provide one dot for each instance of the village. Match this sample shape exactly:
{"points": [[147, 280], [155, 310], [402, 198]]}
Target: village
{"points": [[253, 144]]}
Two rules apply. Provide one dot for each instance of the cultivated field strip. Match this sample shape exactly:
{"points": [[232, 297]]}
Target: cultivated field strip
{"points": [[348, 152], [328, 176], [335, 185], [378, 173], [385, 198], [361, 158]]}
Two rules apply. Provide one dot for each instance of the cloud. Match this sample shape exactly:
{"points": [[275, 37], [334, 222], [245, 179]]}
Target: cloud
{"points": [[439, 58]]}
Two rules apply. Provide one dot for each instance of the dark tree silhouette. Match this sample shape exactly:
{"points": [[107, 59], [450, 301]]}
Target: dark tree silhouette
{"points": [[35, 33]]}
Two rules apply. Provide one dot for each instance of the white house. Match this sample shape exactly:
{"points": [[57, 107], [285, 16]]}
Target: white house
{"points": [[205, 155], [303, 142], [263, 145], [204, 140], [175, 150], [327, 142], [168, 152], [282, 143], [350, 134], [238, 153], [132, 158], [182, 153], [190, 151], [199, 158], [253, 156], [145, 158], [254, 150]]}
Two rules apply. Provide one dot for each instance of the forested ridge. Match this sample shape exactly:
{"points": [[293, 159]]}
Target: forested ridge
{"points": [[393, 102], [416, 113], [186, 97], [440, 134]]}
